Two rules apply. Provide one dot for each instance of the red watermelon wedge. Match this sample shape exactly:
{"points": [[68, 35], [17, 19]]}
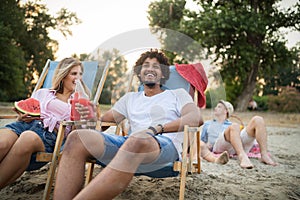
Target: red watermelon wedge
{"points": [[30, 106]]}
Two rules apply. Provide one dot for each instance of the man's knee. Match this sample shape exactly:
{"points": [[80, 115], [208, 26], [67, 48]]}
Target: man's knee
{"points": [[232, 131], [139, 144], [203, 146], [234, 128], [258, 120], [72, 142]]}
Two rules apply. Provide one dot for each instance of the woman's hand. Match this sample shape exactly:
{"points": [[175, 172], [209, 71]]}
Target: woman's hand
{"points": [[86, 111], [25, 117]]}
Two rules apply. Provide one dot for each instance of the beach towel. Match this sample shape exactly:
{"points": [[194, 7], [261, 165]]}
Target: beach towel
{"points": [[196, 76], [253, 153]]}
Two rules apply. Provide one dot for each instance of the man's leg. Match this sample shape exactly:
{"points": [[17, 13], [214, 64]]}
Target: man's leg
{"points": [[114, 178], [232, 135], [257, 129], [207, 155], [80, 145]]}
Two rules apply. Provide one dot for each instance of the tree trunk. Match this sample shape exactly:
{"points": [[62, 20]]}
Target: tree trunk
{"points": [[249, 87]]}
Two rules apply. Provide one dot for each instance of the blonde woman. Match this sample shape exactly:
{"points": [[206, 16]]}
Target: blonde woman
{"points": [[20, 140]]}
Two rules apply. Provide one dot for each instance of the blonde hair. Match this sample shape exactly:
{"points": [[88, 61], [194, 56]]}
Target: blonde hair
{"points": [[62, 70]]}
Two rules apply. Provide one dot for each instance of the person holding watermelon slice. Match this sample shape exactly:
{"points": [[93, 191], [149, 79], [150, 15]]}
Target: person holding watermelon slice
{"points": [[37, 123]]}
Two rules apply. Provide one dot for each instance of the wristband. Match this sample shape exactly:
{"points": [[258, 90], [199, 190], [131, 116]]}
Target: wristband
{"points": [[162, 128], [153, 129], [151, 134]]}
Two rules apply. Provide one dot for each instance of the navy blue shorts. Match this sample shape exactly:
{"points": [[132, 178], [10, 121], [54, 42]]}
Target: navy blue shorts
{"points": [[48, 138], [161, 167]]}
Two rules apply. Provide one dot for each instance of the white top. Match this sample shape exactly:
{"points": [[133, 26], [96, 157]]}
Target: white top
{"points": [[142, 111]]}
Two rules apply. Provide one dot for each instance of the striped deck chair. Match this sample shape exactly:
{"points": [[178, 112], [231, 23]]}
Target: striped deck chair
{"points": [[94, 77], [191, 135]]}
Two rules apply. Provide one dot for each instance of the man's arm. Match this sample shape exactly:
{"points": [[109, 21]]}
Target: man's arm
{"points": [[204, 134], [111, 116], [190, 115]]}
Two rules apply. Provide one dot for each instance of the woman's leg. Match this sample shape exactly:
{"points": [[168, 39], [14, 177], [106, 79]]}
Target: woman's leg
{"points": [[17, 159], [7, 139]]}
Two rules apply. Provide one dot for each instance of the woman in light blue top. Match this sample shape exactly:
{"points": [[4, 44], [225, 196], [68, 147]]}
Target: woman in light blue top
{"points": [[20, 140]]}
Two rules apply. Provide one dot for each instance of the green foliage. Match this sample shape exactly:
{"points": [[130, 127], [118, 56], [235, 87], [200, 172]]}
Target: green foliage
{"points": [[26, 45], [241, 37], [114, 86], [213, 96], [168, 14], [284, 75], [262, 102], [9, 53], [12, 60], [288, 100]]}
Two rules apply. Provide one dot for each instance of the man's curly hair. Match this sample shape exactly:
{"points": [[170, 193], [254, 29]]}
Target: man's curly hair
{"points": [[162, 59]]}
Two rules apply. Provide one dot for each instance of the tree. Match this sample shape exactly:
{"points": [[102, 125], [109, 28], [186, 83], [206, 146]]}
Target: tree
{"points": [[26, 36], [168, 14], [12, 61], [284, 76], [242, 37], [114, 86]]}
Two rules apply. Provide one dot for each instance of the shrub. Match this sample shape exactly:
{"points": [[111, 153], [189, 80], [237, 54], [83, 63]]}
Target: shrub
{"points": [[262, 102], [288, 100]]}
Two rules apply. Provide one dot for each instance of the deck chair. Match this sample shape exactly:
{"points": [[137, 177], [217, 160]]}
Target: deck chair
{"points": [[238, 120], [91, 77], [191, 134], [94, 77]]}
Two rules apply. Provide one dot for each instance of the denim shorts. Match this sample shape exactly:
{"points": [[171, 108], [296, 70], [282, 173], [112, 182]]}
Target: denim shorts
{"points": [[48, 138], [160, 168]]}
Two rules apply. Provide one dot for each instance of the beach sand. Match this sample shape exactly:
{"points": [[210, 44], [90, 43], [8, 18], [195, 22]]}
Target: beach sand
{"points": [[215, 181]]}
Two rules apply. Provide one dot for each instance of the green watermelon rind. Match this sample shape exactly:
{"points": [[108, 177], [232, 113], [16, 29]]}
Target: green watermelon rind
{"points": [[34, 114]]}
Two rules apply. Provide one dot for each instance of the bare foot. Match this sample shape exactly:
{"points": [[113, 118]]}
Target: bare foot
{"points": [[223, 158], [267, 160], [245, 162]]}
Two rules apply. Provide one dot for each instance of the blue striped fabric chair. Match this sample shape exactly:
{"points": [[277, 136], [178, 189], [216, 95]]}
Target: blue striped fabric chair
{"points": [[94, 76], [191, 137]]}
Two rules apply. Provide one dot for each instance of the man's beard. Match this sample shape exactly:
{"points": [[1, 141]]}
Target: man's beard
{"points": [[150, 84]]}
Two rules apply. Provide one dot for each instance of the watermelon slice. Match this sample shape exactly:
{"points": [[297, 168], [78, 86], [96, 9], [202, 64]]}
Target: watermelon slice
{"points": [[30, 106]]}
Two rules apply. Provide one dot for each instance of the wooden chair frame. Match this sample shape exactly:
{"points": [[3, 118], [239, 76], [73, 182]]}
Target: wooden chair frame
{"points": [[54, 157]]}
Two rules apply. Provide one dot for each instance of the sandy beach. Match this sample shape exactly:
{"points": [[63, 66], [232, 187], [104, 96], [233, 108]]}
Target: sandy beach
{"points": [[215, 181]]}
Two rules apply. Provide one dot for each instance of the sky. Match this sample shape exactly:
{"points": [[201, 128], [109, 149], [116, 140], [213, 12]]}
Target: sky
{"points": [[103, 20]]}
